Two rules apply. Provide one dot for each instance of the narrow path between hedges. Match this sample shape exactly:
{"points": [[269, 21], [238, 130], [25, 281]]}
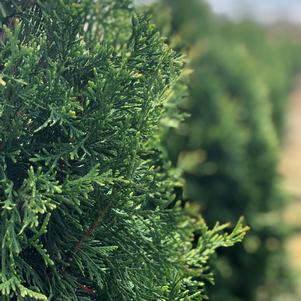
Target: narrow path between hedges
{"points": [[290, 169], [291, 161]]}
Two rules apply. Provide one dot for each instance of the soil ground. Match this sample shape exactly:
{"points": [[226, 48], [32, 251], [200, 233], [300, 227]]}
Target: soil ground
{"points": [[290, 169]]}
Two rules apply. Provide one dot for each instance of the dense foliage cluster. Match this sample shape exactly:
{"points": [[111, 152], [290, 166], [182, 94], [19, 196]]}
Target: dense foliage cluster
{"points": [[87, 196], [229, 147], [276, 60]]}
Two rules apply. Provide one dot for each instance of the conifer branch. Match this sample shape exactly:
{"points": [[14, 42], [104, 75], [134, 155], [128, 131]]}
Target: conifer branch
{"points": [[148, 252]]}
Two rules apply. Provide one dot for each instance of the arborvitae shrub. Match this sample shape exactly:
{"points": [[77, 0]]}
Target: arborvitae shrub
{"points": [[87, 205], [229, 147], [276, 61], [228, 151], [231, 128]]}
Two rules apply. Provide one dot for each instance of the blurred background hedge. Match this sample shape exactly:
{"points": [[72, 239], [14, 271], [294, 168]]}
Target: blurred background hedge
{"points": [[229, 146]]}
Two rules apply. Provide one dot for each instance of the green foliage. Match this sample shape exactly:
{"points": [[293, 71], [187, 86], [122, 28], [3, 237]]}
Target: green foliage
{"points": [[88, 208], [232, 132], [276, 61], [229, 147]]}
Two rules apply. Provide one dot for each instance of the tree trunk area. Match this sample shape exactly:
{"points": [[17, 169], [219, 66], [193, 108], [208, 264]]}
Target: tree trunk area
{"points": [[290, 169]]}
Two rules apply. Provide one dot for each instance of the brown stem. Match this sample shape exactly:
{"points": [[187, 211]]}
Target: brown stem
{"points": [[89, 232], [87, 290]]}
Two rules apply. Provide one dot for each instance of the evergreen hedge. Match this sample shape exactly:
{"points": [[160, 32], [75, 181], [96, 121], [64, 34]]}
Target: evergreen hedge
{"points": [[87, 197], [276, 60], [229, 147]]}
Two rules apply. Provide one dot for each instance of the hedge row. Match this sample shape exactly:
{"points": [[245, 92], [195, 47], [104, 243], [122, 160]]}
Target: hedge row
{"points": [[229, 147]]}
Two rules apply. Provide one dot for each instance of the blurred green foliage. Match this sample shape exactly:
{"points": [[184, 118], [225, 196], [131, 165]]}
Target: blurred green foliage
{"points": [[229, 147]]}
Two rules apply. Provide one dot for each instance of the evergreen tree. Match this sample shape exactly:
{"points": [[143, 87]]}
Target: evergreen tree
{"points": [[87, 204], [228, 148]]}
